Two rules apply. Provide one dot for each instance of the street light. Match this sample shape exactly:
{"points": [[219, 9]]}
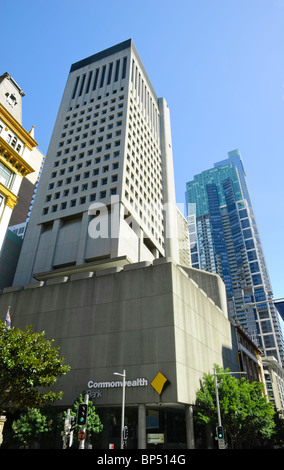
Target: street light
{"points": [[123, 406]]}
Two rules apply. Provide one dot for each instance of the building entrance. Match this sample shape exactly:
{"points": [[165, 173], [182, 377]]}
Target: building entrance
{"points": [[165, 427]]}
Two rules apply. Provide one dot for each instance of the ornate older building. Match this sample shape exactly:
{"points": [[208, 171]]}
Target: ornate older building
{"points": [[16, 146]]}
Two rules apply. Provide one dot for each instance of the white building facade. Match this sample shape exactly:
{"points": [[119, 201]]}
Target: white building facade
{"points": [[107, 186]]}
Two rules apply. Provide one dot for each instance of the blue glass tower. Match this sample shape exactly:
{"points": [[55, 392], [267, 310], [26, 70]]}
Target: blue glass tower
{"points": [[224, 239]]}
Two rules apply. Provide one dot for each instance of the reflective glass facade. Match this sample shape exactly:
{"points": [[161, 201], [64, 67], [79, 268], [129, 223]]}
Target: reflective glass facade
{"points": [[228, 243]]}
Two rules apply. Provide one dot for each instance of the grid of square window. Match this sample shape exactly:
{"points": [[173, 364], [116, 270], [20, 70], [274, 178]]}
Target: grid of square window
{"points": [[86, 165], [143, 191]]}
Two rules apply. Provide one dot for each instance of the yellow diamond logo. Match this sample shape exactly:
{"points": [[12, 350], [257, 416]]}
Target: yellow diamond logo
{"points": [[159, 383]]}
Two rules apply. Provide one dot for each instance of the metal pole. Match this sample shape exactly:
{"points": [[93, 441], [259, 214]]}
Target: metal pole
{"points": [[217, 398], [217, 394], [123, 405], [66, 428], [123, 408]]}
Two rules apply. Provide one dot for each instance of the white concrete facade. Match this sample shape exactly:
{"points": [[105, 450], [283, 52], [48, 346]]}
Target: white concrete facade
{"points": [[147, 318], [107, 186]]}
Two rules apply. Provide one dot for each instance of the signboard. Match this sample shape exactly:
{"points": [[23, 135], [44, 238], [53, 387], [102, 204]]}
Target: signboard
{"points": [[221, 443], [81, 435], [97, 387], [156, 438]]}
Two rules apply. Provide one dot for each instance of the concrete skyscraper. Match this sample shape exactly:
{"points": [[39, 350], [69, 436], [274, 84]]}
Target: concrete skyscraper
{"points": [[107, 186], [104, 267], [225, 240]]}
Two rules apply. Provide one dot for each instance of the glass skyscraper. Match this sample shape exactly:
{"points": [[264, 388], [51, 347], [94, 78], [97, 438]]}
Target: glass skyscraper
{"points": [[224, 239]]}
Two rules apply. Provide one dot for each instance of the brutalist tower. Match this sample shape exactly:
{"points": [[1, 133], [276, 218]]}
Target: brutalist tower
{"points": [[107, 192]]}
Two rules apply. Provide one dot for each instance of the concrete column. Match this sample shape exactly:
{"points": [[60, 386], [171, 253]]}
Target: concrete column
{"points": [[52, 243], [142, 426], [116, 220], [140, 243], [189, 427], [82, 239], [170, 210]]}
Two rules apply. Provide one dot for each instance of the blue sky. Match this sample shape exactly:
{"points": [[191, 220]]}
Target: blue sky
{"points": [[218, 63]]}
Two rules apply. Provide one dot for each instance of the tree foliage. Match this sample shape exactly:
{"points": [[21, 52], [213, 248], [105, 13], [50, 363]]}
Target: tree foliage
{"points": [[29, 365], [246, 413], [31, 426]]}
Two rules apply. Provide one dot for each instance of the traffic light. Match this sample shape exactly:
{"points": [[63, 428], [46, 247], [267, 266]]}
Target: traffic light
{"points": [[125, 433], [220, 432], [82, 414]]}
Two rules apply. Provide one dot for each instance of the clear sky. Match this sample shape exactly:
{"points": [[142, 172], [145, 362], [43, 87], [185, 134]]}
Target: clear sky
{"points": [[218, 63]]}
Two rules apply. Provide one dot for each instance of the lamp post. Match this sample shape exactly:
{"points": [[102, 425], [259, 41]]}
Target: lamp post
{"points": [[123, 375]]}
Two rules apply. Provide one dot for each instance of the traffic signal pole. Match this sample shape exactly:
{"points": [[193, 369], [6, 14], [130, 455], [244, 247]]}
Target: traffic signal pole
{"points": [[123, 375], [217, 398], [84, 428], [220, 432], [66, 429]]}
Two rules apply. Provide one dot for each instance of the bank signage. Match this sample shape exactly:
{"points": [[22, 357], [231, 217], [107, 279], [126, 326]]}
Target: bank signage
{"points": [[95, 389]]}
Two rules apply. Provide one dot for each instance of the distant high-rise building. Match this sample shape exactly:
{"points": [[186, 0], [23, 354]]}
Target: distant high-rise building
{"points": [[224, 239], [107, 187]]}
